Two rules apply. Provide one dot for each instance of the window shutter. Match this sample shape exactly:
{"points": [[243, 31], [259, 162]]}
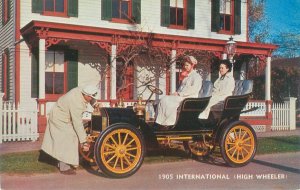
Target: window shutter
{"points": [[191, 14], [106, 9], [165, 12], [8, 10], [237, 16], [215, 15], [73, 8], [136, 11], [72, 68], [37, 6], [8, 75], [34, 74]]}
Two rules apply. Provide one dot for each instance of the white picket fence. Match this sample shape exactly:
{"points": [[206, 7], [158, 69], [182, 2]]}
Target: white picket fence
{"points": [[18, 123], [284, 115]]}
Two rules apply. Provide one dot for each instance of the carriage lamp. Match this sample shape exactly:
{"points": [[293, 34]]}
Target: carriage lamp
{"points": [[230, 49]]}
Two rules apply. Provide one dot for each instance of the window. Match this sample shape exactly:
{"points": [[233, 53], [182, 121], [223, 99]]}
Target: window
{"points": [[178, 14], [55, 69], [226, 16], [5, 11], [5, 85], [123, 11], [55, 7], [62, 8]]}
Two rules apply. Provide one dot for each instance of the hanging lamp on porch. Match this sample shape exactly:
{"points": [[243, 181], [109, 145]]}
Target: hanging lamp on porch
{"points": [[230, 49]]}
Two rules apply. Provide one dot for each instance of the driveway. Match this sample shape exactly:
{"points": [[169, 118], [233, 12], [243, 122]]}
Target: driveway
{"points": [[274, 171]]}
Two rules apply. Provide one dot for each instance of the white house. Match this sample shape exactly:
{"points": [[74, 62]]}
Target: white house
{"points": [[51, 46]]}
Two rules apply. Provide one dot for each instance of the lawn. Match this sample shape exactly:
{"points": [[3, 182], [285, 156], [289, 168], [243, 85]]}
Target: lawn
{"points": [[28, 162]]}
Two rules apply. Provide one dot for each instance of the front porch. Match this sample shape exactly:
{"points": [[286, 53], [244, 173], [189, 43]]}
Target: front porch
{"points": [[121, 62]]}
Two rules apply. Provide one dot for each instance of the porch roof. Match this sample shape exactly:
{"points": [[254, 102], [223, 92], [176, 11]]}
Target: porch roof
{"points": [[55, 32]]}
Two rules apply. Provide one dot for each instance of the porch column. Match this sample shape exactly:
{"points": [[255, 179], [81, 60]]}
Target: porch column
{"points": [[173, 72], [268, 95], [113, 77], [268, 79], [42, 60]]}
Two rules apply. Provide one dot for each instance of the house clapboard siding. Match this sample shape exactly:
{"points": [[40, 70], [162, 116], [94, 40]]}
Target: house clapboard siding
{"points": [[7, 45]]}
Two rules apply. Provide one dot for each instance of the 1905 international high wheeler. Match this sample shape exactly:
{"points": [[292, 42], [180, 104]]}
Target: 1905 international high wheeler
{"points": [[121, 136]]}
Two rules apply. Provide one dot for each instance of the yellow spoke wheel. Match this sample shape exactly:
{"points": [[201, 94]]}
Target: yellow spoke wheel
{"points": [[238, 144], [120, 150], [196, 148]]}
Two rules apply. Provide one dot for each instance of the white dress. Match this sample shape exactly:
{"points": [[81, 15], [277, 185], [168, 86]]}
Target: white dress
{"points": [[167, 107], [222, 88]]}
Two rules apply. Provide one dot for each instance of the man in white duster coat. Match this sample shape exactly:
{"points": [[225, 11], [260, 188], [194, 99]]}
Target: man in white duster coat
{"points": [[189, 88], [65, 128]]}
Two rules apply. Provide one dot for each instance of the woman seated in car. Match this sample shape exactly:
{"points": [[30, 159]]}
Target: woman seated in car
{"points": [[223, 87], [189, 88]]}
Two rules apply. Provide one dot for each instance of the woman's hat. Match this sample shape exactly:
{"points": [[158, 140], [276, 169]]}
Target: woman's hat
{"points": [[191, 59], [91, 91]]}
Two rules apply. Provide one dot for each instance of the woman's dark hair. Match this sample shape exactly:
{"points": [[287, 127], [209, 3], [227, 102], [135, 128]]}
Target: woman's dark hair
{"points": [[227, 64]]}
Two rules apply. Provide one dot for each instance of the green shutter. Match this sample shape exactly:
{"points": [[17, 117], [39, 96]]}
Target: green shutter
{"points": [[136, 11], [106, 9], [35, 73], [237, 16], [165, 12], [73, 8], [8, 75], [37, 6], [8, 10], [191, 14], [215, 15], [72, 68]]}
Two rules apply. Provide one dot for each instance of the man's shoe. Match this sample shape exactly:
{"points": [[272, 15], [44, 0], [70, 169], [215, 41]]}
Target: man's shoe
{"points": [[68, 172]]}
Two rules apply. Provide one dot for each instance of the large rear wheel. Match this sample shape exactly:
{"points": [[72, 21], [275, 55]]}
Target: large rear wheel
{"points": [[120, 150], [238, 144]]}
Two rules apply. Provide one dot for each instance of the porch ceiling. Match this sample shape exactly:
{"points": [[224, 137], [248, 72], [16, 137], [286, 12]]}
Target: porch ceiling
{"points": [[53, 32]]}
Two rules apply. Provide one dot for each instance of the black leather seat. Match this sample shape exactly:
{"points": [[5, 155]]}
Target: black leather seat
{"points": [[206, 89], [234, 104]]}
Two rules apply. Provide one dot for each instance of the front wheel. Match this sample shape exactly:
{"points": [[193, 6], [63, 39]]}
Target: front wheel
{"points": [[120, 150], [238, 144]]}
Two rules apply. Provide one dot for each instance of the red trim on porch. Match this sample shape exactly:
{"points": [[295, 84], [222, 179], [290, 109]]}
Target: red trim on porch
{"points": [[77, 32]]}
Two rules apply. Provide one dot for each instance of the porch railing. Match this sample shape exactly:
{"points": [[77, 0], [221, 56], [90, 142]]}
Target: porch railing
{"points": [[17, 123]]}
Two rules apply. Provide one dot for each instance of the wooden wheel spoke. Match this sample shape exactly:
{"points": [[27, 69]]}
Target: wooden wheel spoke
{"points": [[125, 138], [116, 162], [240, 133], [129, 142], [131, 155], [122, 164], [119, 137], [128, 162], [109, 152], [133, 148], [249, 138], [114, 141], [243, 135], [231, 148], [110, 146], [232, 155], [111, 159], [245, 150]]}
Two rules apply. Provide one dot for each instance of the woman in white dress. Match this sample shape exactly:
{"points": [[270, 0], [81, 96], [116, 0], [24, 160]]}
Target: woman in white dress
{"points": [[223, 87], [189, 88]]}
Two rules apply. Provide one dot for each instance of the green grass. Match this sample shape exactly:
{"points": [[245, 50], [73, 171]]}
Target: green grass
{"points": [[28, 162], [270, 145]]}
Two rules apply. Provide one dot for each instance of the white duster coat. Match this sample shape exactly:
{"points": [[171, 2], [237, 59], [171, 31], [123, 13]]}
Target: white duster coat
{"points": [[167, 107], [65, 129], [223, 87]]}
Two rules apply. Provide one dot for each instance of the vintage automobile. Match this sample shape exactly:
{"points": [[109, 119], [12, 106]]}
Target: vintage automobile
{"points": [[120, 137]]}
